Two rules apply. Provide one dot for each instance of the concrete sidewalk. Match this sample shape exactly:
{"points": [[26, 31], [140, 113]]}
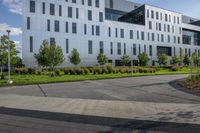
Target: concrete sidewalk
{"points": [[163, 112]]}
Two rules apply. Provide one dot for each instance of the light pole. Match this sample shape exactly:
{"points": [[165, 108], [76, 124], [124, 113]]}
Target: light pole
{"points": [[9, 80], [132, 61]]}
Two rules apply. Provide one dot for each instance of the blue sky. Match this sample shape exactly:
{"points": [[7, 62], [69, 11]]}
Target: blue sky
{"points": [[10, 13]]}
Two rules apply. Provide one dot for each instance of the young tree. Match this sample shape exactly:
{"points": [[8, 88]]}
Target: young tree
{"points": [[102, 59], [162, 59], [195, 58], [125, 60], [143, 59], [43, 56], [175, 60], [186, 60], [56, 56], [49, 56], [181, 58], [74, 58]]}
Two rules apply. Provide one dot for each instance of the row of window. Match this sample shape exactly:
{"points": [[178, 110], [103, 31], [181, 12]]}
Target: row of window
{"points": [[69, 9], [135, 49], [164, 27], [159, 16]]}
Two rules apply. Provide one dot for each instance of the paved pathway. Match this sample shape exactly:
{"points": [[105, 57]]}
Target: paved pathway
{"points": [[142, 104], [145, 89]]}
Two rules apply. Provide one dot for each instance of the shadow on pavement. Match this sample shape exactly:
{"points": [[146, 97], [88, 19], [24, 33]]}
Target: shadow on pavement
{"points": [[115, 124]]}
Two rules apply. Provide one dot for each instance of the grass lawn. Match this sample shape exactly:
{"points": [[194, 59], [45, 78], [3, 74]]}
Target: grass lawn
{"points": [[43, 79]]}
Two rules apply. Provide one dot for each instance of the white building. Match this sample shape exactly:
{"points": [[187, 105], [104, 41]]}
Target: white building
{"points": [[114, 27]]}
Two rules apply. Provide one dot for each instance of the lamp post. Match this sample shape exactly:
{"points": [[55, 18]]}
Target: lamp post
{"points": [[9, 80], [131, 61]]}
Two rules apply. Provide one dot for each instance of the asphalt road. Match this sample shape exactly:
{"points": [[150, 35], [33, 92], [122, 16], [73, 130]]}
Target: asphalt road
{"points": [[144, 89]]}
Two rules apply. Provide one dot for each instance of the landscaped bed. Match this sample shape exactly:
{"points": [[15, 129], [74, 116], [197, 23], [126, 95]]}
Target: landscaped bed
{"points": [[192, 82], [27, 76]]}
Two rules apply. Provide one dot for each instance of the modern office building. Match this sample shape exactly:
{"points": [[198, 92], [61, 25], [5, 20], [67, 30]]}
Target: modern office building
{"points": [[112, 27]]}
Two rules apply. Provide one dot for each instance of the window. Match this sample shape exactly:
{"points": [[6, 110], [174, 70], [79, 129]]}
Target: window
{"points": [[28, 23], [158, 37], [73, 1], [134, 49], [131, 34], [83, 2], [74, 28], [122, 33], [90, 49], [160, 16], [168, 38], [139, 49], [43, 7], [116, 32], [124, 48], [168, 28], [67, 45], [174, 39], [70, 12], [101, 47], [148, 13], [162, 38], [152, 14], [148, 36], [152, 36], [138, 35], [77, 13], [98, 30], [52, 9], [178, 20], [150, 50], [109, 31], [31, 44], [142, 35], [52, 41], [150, 25], [57, 26], [89, 15], [111, 3], [85, 29], [157, 15], [92, 29], [66, 27], [97, 3], [100, 16], [60, 10], [32, 6], [119, 52], [48, 25], [145, 49], [89, 2], [160, 27], [166, 17], [111, 48]]}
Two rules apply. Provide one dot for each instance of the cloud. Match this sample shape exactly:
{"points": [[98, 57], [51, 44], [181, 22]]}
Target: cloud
{"points": [[14, 31], [14, 6]]}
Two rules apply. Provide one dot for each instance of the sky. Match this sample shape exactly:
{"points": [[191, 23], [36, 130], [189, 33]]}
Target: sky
{"points": [[11, 13]]}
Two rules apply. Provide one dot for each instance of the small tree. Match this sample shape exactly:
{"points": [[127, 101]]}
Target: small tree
{"points": [[102, 59], [195, 58], [49, 56], [186, 60], [181, 58], [56, 56], [43, 56], [175, 60], [125, 60], [143, 59], [162, 59], [74, 58]]}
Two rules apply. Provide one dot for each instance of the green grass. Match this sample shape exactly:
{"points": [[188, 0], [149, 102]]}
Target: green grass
{"points": [[44, 79]]}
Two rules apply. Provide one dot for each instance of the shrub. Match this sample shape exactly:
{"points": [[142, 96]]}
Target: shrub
{"points": [[21, 70], [110, 69], [141, 70], [175, 68], [104, 70], [31, 71], [57, 72], [38, 72], [97, 70], [86, 71]]}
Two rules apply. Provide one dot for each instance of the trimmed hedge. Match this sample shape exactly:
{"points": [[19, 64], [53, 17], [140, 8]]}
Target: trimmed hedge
{"points": [[88, 70]]}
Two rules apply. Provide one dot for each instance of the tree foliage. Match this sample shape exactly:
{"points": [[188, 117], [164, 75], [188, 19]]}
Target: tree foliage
{"points": [[143, 59], [162, 59], [49, 55], [74, 58], [125, 60], [14, 58], [186, 60], [175, 60], [195, 58], [102, 59]]}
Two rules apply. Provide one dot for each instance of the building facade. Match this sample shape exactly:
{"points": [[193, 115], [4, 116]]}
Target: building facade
{"points": [[112, 27]]}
